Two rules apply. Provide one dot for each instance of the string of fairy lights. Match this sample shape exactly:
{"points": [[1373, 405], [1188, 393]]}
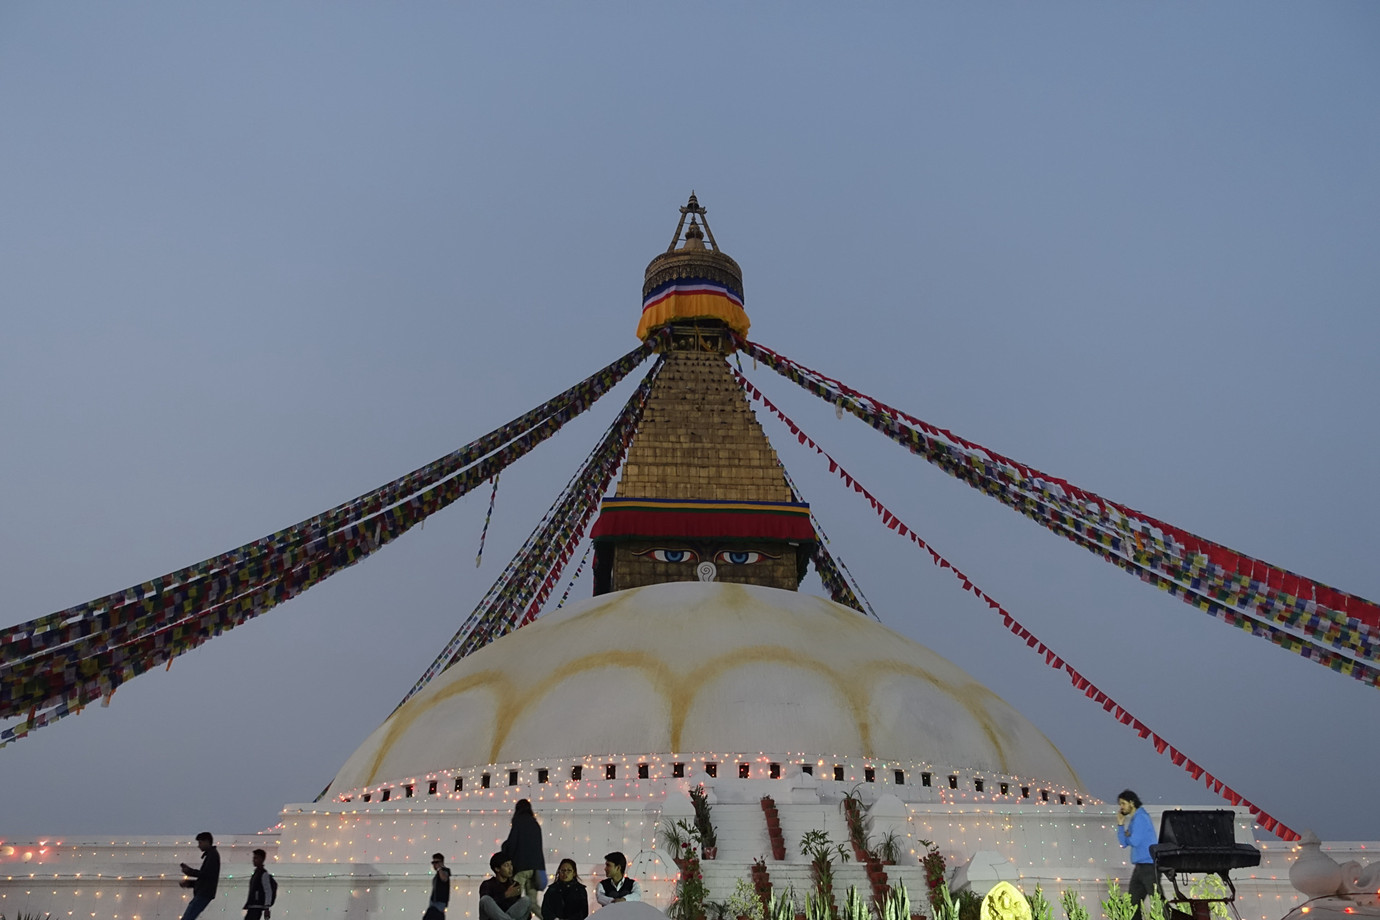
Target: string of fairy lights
{"points": [[371, 859]]}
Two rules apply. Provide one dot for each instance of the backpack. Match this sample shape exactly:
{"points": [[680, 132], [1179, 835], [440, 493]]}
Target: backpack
{"points": [[272, 890]]}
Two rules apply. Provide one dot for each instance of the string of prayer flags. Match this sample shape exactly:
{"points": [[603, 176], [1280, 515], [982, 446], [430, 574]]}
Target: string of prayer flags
{"points": [[1051, 658], [526, 581], [1157, 552], [54, 665], [488, 516]]}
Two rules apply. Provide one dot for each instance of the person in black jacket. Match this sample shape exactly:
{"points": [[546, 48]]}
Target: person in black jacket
{"points": [[566, 898], [203, 881], [501, 897], [262, 890], [440, 889], [524, 848]]}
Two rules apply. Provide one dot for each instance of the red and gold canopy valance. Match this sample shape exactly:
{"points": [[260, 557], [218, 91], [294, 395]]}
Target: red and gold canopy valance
{"points": [[629, 518]]}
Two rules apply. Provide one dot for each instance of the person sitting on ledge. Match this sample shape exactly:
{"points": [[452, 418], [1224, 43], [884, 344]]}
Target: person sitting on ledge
{"points": [[566, 897], [617, 886], [500, 898]]}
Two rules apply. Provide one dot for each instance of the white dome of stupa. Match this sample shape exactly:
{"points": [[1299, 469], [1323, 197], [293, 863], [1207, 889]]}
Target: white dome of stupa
{"points": [[690, 667]]}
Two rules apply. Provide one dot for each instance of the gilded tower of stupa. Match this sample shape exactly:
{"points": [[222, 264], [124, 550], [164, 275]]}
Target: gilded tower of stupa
{"points": [[702, 495]]}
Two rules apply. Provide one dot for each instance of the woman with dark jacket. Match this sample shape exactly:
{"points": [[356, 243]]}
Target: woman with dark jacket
{"points": [[566, 897], [524, 848]]}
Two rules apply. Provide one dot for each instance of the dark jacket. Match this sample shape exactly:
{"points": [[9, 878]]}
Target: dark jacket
{"points": [[497, 890], [523, 845], [565, 901], [260, 890], [440, 888], [207, 876]]}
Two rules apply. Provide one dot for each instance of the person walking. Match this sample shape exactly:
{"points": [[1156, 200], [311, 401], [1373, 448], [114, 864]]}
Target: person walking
{"points": [[525, 849], [203, 880], [1135, 830], [263, 890]]}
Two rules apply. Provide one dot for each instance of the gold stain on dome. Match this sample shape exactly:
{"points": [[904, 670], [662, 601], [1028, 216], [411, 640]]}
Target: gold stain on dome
{"points": [[678, 692]]}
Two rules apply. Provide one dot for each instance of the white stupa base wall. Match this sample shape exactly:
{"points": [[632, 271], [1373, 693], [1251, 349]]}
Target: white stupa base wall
{"points": [[352, 860]]}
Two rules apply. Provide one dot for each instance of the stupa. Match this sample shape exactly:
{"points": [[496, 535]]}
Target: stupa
{"points": [[697, 664]]}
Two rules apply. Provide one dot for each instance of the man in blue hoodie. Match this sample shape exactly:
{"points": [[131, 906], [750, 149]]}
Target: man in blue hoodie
{"points": [[1135, 830]]}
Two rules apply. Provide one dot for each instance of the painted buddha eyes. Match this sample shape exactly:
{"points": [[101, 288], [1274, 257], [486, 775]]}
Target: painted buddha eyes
{"points": [[689, 556], [672, 555], [737, 557]]}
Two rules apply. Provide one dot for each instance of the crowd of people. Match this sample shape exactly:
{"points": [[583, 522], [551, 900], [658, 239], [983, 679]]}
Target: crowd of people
{"points": [[518, 889], [519, 874]]}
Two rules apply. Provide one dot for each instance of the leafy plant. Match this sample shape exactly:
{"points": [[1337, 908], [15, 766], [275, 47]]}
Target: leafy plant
{"points": [[945, 907], [744, 901], [699, 798], [1073, 908], [677, 835], [822, 851], [1117, 905], [896, 904], [1153, 907], [818, 907], [935, 872], [1211, 887], [859, 819], [854, 907], [888, 848], [782, 907], [1041, 909], [689, 900], [969, 905]]}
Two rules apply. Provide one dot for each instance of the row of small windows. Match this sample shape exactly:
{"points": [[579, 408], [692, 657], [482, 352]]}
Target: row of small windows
{"points": [[711, 769]]}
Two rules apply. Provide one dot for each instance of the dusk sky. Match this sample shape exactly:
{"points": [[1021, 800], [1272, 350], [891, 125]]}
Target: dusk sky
{"points": [[257, 259]]}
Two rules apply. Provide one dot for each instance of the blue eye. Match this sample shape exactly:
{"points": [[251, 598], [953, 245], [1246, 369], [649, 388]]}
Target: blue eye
{"points": [[671, 555], [734, 557]]}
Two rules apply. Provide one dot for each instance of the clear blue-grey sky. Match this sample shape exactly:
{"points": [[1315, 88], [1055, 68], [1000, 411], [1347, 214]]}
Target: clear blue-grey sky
{"points": [[258, 259]]}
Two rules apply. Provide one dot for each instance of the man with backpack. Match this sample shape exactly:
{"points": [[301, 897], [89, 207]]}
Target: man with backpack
{"points": [[263, 891]]}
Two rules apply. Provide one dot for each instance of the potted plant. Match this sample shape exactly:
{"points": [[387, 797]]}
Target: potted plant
{"points": [[681, 840], [761, 883], [1040, 908], [782, 907], [854, 908], [704, 827], [822, 851], [888, 848], [744, 904], [935, 871], [1072, 908], [896, 904], [778, 841], [689, 900], [855, 813]]}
